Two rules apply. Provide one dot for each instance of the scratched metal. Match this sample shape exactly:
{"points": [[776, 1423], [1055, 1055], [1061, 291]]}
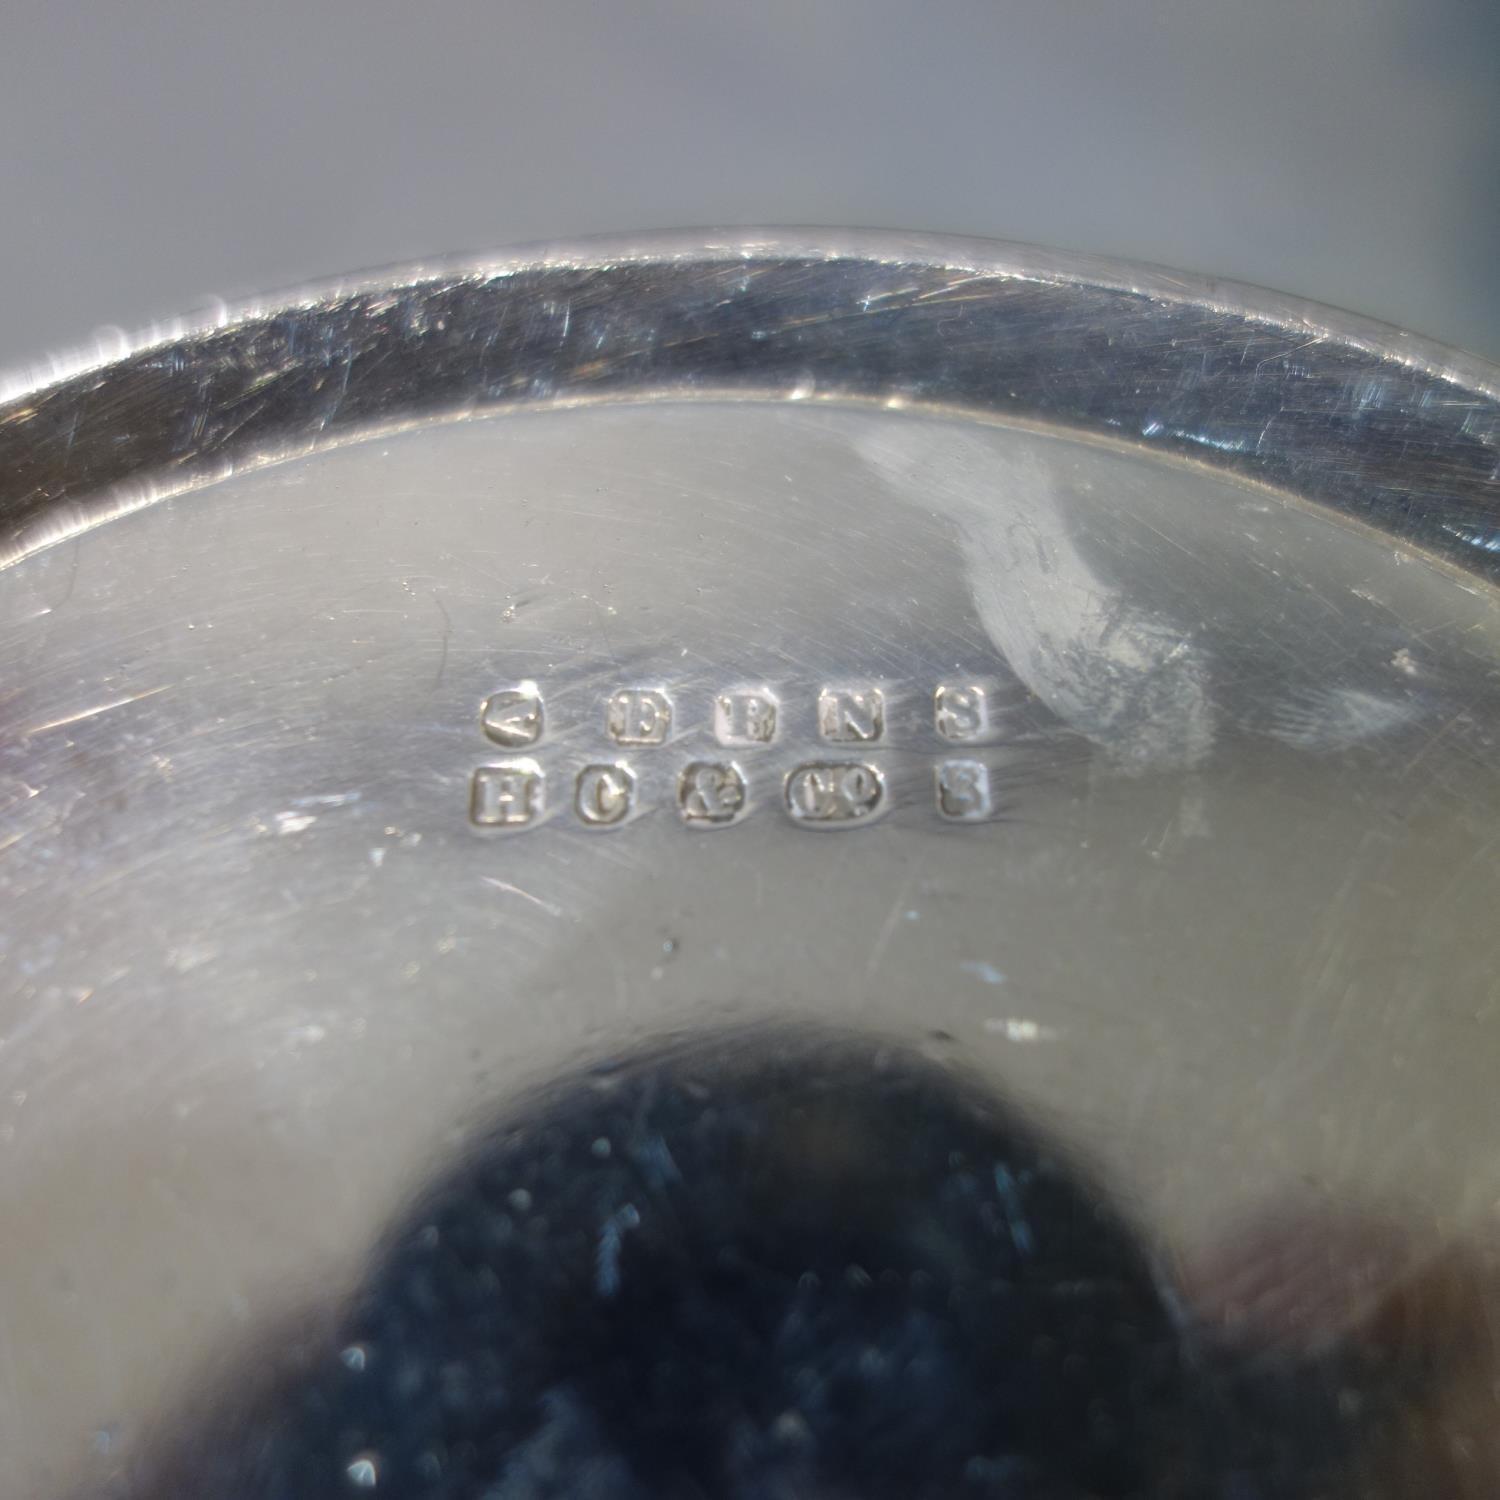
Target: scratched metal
{"points": [[1089, 674], [1387, 428]]}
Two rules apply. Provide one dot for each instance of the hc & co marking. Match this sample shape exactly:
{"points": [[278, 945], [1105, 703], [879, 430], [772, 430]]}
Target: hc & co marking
{"points": [[710, 793], [507, 796], [604, 795], [834, 794]]}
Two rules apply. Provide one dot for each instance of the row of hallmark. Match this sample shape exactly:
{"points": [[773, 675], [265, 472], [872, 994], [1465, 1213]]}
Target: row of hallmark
{"points": [[515, 717], [513, 795]]}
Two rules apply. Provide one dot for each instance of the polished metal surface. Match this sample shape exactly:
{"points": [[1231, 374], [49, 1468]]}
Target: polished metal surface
{"points": [[1132, 644]]}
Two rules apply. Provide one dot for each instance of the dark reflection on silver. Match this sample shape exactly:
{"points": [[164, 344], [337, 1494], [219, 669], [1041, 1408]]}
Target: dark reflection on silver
{"points": [[762, 1267]]}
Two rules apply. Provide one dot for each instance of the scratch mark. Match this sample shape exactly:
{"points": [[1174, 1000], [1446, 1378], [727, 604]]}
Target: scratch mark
{"points": [[77, 552], [442, 670], [515, 890], [1436, 738], [888, 927], [91, 713]]}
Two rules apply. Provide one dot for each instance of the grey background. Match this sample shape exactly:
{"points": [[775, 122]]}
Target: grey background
{"points": [[160, 153]]}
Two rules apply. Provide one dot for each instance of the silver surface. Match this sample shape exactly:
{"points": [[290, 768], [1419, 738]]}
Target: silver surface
{"points": [[1133, 644]]}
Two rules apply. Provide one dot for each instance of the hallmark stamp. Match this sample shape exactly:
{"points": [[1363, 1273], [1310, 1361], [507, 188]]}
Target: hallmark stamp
{"points": [[961, 711], [745, 718], [851, 715], [834, 794], [513, 717], [639, 716], [710, 793], [963, 790], [604, 795], [507, 796]]}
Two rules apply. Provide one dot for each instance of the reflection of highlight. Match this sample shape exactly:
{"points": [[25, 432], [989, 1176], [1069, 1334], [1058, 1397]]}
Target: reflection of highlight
{"points": [[1132, 681]]}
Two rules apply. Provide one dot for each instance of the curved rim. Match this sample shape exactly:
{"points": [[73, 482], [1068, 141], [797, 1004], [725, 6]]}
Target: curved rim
{"points": [[1392, 430]]}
